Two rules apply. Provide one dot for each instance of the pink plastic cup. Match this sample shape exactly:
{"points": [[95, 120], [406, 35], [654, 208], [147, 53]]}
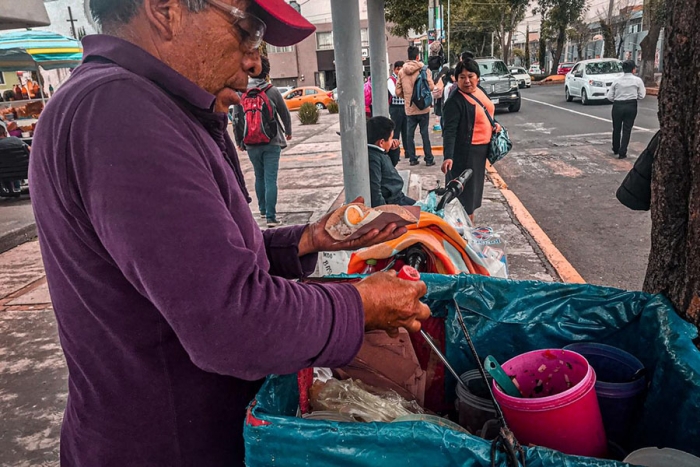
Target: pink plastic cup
{"points": [[559, 408]]}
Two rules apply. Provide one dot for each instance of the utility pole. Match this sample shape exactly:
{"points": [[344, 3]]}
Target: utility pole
{"points": [[379, 67], [449, 20], [72, 23], [353, 129]]}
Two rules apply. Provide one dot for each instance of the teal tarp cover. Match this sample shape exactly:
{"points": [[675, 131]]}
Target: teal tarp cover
{"points": [[508, 318]]}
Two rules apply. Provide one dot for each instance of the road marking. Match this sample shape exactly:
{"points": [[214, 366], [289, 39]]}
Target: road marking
{"points": [[582, 114], [566, 272]]}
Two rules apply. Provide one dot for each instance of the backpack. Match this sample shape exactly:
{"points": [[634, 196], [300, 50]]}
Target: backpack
{"points": [[422, 97], [260, 117], [435, 62]]}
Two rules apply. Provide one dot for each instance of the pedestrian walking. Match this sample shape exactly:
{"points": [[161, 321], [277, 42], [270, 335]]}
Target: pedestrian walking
{"points": [[397, 112], [467, 133], [624, 94], [172, 305], [264, 150], [413, 71], [368, 97]]}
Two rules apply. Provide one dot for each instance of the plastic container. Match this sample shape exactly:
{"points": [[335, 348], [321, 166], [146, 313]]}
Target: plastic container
{"points": [[654, 457], [474, 406], [620, 386], [559, 409]]}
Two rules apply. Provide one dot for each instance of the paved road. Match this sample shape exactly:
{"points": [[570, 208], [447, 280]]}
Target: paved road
{"points": [[563, 170]]}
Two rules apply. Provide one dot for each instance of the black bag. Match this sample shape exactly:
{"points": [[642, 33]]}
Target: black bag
{"points": [[435, 62]]}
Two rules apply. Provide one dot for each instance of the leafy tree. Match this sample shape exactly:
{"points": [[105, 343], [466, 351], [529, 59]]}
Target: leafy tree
{"points": [[407, 15], [557, 16], [580, 34], [674, 261]]}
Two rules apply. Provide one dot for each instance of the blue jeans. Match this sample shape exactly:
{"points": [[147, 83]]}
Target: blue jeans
{"points": [[266, 162], [422, 120]]}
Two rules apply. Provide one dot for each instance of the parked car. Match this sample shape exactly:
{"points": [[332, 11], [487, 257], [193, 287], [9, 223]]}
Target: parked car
{"points": [[565, 68], [591, 79], [298, 96], [499, 83], [524, 80], [534, 70]]}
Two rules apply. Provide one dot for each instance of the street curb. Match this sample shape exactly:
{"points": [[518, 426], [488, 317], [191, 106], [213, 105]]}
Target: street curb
{"points": [[564, 269], [16, 237]]}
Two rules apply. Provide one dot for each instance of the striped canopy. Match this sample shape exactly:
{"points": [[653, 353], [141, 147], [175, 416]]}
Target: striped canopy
{"points": [[27, 50]]}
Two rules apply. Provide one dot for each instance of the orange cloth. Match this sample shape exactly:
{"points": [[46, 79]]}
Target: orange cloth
{"points": [[432, 232], [482, 126]]}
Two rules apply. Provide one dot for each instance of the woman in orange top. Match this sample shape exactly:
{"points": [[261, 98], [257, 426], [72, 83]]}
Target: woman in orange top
{"points": [[467, 133]]}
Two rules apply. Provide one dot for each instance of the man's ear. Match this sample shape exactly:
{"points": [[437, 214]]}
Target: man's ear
{"points": [[165, 16]]}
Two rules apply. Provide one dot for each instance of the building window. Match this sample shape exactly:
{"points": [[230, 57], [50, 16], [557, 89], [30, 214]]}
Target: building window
{"points": [[273, 49], [364, 37], [635, 28], [324, 40]]}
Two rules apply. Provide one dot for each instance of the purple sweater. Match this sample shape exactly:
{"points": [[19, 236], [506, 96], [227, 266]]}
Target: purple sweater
{"points": [[171, 304]]}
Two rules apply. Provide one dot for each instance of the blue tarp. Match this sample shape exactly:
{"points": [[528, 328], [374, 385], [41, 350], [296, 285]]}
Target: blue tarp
{"points": [[507, 319]]}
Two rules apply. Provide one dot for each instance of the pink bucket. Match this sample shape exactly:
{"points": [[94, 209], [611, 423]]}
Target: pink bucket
{"points": [[559, 408]]}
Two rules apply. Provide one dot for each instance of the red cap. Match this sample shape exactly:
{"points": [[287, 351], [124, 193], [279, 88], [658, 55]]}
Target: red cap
{"points": [[285, 26]]}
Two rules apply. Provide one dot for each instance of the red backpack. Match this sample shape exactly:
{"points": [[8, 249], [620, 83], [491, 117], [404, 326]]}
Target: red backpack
{"points": [[260, 122]]}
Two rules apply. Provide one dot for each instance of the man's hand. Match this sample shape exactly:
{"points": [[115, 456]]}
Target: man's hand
{"points": [[315, 238], [395, 144], [446, 166], [289, 137], [391, 303]]}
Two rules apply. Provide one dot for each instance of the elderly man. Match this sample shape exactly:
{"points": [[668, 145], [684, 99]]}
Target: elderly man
{"points": [[171, 304]]}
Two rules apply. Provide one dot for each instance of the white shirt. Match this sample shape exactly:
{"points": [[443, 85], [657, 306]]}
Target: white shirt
{"points": [[446, 92], [392, 86], [627, 88]]}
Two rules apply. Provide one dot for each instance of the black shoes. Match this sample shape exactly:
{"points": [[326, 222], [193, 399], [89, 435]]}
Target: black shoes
{"points": [[414, 163], [430, 164], [622, 156]]}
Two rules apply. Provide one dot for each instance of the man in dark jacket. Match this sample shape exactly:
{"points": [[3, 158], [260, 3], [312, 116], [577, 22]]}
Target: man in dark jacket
{"points": [[386, 184], [635, 191]]}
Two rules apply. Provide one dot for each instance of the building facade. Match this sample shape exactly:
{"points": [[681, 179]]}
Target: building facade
{"points": [[312, 61]]}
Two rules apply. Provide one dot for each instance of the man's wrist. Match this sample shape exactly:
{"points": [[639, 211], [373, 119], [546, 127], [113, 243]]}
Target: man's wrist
{"points": [[306, 243]]}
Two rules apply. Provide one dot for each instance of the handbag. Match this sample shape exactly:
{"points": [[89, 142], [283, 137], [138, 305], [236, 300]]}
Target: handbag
{"points": [[500, 141]]}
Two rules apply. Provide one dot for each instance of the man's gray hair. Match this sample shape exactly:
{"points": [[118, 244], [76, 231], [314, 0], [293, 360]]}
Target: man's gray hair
{"points": [[115, 12]]}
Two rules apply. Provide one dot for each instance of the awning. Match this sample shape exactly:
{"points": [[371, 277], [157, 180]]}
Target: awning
{"points": [[28, 50]]}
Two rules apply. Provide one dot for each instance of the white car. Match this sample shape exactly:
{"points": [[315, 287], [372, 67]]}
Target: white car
{"points": [[524, 80], [535, 70], [591, 79]]}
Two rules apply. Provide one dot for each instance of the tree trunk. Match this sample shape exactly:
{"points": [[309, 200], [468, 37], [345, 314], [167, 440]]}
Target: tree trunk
{"points": [[579, 47], [561, 37], [608, 40], [543, 55], [648, 46], [527, 46], [674, 261]]}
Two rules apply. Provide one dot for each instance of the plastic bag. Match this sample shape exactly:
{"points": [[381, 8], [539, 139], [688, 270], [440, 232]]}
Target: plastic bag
{"points": [[332, 263], [362, 402], [488, 248], [484, 246]]}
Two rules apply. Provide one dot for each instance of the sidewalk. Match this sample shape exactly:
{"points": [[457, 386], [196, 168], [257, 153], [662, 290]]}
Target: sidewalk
{"points": [[33, 378]]}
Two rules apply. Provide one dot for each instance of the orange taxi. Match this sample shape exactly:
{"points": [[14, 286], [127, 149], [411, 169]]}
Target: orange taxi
{"points": [[316, 96]]}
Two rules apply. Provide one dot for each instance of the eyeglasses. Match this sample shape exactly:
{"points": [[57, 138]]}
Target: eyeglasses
{"points": [[252, 29]]}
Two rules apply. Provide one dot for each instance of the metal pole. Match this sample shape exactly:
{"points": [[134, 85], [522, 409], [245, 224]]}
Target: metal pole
{"points": [[379, 67], [449, 20], [353, 128], [492, 37]]}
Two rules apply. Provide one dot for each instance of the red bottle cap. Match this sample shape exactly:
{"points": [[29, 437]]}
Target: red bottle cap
{"points": [[409, 273]]}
